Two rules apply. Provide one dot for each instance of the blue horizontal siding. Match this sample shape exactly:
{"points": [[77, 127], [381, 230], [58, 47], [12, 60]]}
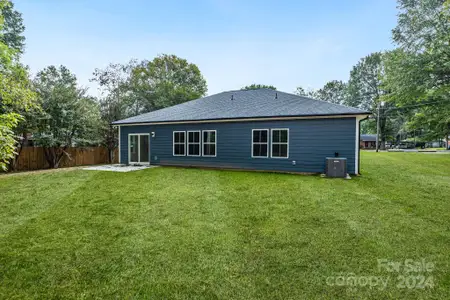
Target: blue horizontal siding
{"points": [[310, 141]]}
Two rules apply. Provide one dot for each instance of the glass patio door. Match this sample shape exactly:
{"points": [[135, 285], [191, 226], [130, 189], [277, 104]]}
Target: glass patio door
{"points": [[139, 148], [144, 148]]}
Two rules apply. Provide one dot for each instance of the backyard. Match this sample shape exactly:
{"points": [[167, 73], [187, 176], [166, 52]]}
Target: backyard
{"points": [[178, 233]]}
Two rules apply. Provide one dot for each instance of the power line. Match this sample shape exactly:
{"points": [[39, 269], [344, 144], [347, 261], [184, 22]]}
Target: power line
{"points": [[413, 106], [418, 104]]}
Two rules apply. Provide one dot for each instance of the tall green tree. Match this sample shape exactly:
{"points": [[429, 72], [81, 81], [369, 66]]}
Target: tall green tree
{"points": [[365, 91], [417, 74], [255, 86], [419, 23], [16, 100], [16, 96], [70, 116], [22, 132], [364, 86], [11, 34], [115, 95], [165, 81], [305, 93], [334, 91]]}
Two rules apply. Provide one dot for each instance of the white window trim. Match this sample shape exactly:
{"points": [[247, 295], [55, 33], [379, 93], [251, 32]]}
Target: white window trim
{"points": [[173, 143], [271, 143], [199, 143], [139, 149], [215, 143], [258, 143]]}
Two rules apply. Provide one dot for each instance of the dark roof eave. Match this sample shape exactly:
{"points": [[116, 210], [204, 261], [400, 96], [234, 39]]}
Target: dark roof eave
{"points": [[242, 118]]}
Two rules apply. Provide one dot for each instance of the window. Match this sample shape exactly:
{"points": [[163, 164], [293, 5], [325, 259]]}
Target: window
{"points": [[280, 143], [260, 143], [193, 143], [179, 143], [209, 142]]}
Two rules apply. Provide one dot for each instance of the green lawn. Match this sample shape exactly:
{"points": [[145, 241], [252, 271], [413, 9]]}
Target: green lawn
{"points": [[190, 233]]}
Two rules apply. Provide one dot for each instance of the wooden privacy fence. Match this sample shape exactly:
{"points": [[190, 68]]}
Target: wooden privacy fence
{"points": [[33, 158]]}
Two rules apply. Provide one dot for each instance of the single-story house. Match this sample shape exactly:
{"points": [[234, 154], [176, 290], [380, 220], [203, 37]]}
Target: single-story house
{"points": [[259, 129], [368, 141]]}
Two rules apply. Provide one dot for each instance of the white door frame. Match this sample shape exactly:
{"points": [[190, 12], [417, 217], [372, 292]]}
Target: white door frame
{"points": [[139, 148]]}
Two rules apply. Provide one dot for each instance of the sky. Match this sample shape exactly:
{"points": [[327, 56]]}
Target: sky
{"points": [[234, 43]]}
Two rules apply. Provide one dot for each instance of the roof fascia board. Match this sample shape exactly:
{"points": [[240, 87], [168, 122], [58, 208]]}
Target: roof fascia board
{"points": [[359, 116]]}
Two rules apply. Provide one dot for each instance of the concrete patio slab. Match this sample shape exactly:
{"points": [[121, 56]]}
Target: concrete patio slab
{"points": [[119, 168]]}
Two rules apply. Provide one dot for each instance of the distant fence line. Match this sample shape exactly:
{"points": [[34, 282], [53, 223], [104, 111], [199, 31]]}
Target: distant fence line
{"points": [[33, 158]]}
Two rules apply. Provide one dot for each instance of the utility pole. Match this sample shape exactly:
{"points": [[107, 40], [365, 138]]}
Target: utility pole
{"points": [[378, 125]]}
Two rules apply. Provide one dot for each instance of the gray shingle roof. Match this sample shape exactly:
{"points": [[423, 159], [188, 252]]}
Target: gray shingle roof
{"points": [[243, 104], [368, 137]]}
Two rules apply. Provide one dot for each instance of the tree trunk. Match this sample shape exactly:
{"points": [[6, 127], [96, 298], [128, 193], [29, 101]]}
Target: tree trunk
{"points": [[12, 166], [57, 161], [49, 157], [54, 155], [111, 155], [60, 156], [111, 143]]}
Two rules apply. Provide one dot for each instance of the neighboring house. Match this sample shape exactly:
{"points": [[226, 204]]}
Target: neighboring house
{"points": [[436, 144], [255, 130], [368, 141]]}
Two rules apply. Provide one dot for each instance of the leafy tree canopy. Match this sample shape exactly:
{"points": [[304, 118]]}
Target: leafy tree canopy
{"points": [[11, 33], [115, 95], [258, 86], [16, 96], [115, 90], [70, 117], [420, 22], [334, 91], [412, 81], [305, 93], [364, 85], [417, 74], [165, 81]]}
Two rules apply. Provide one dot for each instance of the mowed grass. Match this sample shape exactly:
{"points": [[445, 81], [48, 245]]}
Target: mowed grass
{"points": [[173, 233]]}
